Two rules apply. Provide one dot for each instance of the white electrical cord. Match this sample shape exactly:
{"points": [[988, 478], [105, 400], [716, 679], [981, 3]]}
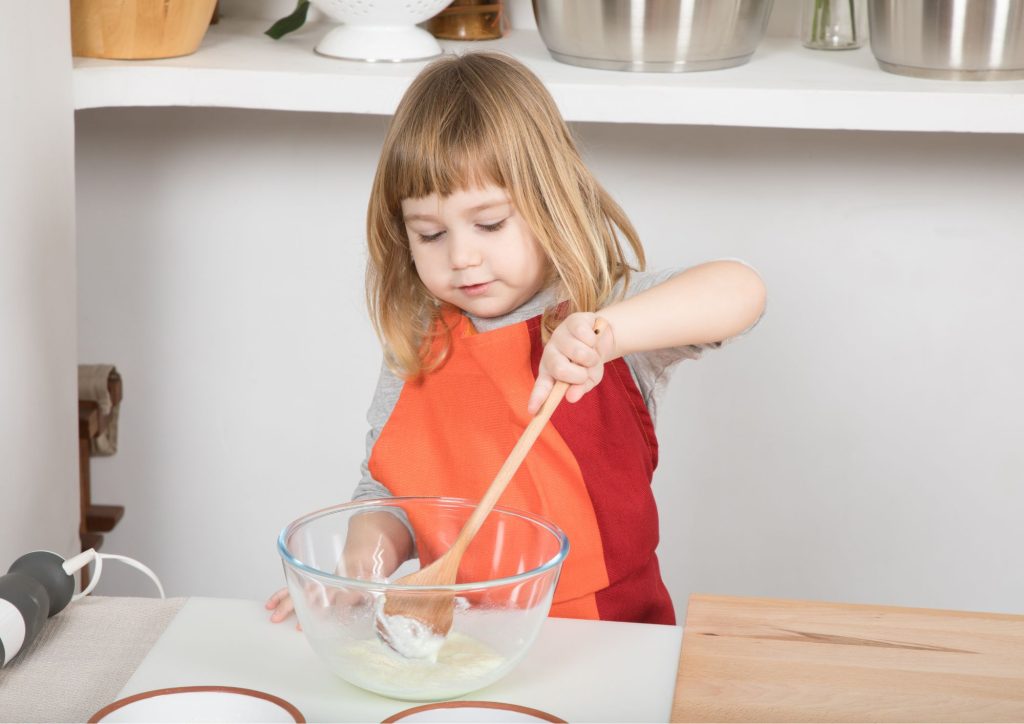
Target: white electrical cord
{"points": [[84, 558]]}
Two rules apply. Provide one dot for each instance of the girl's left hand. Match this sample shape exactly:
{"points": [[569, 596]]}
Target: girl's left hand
{"points": [[575, 354]]}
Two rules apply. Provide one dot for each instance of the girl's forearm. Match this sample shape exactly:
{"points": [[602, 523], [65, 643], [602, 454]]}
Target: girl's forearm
{"points": [[377, 543], [704, 304]]}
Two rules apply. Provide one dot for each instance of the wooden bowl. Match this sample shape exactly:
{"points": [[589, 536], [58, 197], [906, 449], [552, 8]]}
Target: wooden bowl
{"points": [[138, 29]]}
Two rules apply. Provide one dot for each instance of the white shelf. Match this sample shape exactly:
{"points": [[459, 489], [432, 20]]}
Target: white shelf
{"points": [[784, 85]]}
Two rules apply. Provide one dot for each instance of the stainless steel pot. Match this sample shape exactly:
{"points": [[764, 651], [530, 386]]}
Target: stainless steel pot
{"points": [[652, 35], [949, 39]]}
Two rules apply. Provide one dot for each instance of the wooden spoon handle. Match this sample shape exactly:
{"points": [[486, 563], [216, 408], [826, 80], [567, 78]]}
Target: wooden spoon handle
{"points": [[513, 461]]}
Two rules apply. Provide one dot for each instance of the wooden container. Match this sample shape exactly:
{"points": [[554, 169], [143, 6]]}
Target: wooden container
{"points": [[138, 29], [469, 20]]}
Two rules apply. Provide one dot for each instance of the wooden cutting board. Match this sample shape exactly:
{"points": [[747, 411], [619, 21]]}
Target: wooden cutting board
{"points": [[763, 660]]}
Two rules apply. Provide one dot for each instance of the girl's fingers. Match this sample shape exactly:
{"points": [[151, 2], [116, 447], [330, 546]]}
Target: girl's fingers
{"points": [[579, 353], [582, 327], [568, 371], [575, 354], [541, 390], [276, 597], [281, 604], [575, 393], [282, 611]]}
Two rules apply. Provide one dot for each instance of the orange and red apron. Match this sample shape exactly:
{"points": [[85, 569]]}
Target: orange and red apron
{"points": [[589, 472]]}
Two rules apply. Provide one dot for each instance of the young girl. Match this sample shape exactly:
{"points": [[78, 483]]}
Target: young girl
{"points": [[492, 253]]}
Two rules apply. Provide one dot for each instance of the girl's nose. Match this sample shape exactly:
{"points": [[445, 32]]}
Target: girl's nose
{"points": [[463, 252]]}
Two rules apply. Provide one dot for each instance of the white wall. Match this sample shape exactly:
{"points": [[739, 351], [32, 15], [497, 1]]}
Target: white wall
{"points": [[38, 379], [863, 444]]}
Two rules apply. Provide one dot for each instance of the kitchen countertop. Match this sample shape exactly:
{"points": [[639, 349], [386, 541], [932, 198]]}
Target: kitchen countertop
{"points": [[576, 670], [753, 659], [743, 659]]}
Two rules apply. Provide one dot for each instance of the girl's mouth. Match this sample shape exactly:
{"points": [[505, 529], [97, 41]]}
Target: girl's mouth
{"points": [[475, 290]]}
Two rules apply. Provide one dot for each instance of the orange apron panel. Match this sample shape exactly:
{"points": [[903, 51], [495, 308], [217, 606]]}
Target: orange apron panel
{"points": [[582, 607], [450, 432]]}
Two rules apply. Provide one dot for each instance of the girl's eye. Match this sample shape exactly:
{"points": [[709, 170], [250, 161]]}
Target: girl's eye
{"points": [[493, 227], [430, 237]]}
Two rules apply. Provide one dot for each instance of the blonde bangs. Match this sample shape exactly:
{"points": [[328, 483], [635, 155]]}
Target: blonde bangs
{"points": [[444, 140]]}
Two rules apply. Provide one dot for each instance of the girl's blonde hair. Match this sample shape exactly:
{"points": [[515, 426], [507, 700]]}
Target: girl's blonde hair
{"points": [[465, 121]]}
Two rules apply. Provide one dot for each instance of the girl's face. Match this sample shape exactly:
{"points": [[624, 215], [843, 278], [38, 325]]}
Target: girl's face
{"points": [[473, 249]]}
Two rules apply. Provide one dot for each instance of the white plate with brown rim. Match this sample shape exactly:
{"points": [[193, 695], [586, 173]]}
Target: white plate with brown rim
{"points": [[471, 711], [200, 704]]}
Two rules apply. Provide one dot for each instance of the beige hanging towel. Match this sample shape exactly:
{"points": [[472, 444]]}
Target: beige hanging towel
{"points": [[102, 384]]}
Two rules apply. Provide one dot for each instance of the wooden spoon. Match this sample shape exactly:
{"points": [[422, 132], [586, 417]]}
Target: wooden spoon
{"points": [[416, 624]]}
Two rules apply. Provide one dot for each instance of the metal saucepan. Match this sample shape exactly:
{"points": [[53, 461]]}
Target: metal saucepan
{"points": [[652, 35], [949, 39]]}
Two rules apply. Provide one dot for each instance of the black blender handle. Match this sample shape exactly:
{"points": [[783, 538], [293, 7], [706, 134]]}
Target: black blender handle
{"points": [[35, 587]]}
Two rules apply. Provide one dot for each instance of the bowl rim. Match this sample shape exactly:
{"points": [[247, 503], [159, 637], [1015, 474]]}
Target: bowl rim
{"points": [[290, 560]]}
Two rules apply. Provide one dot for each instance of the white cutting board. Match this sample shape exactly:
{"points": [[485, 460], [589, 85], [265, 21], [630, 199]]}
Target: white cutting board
{"points": [[593, 671]]}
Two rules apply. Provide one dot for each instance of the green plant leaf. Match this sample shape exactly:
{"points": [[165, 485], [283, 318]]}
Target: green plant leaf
{"points": [[290, 23]]}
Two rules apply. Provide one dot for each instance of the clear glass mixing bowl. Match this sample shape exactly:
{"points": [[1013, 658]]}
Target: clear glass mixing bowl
{"points": [[505, 585]]}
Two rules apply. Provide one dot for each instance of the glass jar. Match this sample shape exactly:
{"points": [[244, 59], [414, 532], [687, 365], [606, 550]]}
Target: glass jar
{"points": [[834, 24], [469, 20]]}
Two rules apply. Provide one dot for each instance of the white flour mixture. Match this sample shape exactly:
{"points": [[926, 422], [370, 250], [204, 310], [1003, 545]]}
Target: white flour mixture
{"points": [[410, 637], [463, 663]]}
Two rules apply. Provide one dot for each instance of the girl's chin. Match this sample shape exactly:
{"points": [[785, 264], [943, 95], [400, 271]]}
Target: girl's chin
{"points": [[486, 313], [487, 308]]}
